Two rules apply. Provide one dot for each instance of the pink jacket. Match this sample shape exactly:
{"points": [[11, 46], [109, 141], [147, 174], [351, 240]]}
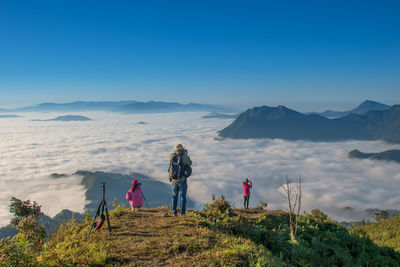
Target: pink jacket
{"points": [[246, 189], [135, 198]]}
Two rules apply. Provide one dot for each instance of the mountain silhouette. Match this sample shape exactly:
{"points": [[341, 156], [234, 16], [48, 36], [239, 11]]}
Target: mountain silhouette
{"points": [[367, 105], [281, 122], [217, 115], [9, 116], [389, 155]]}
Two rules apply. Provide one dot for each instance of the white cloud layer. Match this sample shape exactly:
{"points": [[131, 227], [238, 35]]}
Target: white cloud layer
{"points": [[32, 150]]}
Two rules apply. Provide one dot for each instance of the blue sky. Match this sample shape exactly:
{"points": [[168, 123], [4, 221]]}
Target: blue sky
{"points": [[304, 54]]}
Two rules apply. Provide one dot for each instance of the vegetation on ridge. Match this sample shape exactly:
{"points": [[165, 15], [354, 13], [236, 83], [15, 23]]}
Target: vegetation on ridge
{"points": [[217, 236]]}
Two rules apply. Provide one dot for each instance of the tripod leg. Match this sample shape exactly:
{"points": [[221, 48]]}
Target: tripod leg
{"points": [[95, 217], [108, 219]]}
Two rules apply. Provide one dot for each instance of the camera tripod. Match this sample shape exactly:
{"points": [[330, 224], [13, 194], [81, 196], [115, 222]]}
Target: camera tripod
{"points": [[102, 207]]}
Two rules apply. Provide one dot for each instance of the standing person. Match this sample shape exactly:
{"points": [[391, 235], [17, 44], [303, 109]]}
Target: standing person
{"points": [[179, 170], [246, 193], [134, 195]]}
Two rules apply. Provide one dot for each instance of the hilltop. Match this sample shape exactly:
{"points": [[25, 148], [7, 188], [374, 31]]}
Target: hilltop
{"points": [[216, 236]]}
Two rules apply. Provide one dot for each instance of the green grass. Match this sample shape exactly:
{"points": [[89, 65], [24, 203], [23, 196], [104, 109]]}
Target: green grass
{"points": [[217, 236], [383, 233]]}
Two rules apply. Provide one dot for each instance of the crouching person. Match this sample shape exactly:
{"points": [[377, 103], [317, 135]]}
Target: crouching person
{"points": [[134, 195]]}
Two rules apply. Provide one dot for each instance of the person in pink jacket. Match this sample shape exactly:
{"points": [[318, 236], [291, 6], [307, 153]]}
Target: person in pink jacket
{"points": [[246, 193], [134, 195]]}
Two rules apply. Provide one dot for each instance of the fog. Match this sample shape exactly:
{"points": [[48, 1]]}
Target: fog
{"points": [[32, 150]]}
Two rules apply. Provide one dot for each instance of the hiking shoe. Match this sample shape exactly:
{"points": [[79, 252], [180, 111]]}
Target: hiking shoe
{"points": [[166, 214]]}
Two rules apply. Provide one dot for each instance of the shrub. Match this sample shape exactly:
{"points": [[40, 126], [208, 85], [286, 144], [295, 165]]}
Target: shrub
{"points": [[219, 207]]}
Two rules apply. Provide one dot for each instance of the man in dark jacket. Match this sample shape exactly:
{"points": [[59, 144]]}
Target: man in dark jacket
{"points": [[179, 184]]}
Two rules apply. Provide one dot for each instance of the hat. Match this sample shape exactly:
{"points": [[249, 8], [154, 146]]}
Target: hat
{"points": [[135, 182], [178, 147]]}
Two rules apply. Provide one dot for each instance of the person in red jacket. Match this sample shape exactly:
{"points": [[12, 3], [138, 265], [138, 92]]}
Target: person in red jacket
{"points": [[246, 193], [134, 195]]}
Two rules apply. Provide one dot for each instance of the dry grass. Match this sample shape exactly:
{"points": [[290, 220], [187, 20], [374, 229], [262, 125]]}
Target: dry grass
{"points": [[147, 238]]}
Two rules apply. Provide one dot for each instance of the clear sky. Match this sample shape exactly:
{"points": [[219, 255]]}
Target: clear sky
{"points": [[314, 54]]}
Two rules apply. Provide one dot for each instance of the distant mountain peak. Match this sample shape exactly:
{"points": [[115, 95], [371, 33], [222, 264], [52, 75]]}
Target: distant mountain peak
{"points": [[364, 107], [369, 105]]}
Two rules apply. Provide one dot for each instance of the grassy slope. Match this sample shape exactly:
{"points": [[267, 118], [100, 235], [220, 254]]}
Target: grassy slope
{"points": [[247, 238], [384, 233], [147, 238]]}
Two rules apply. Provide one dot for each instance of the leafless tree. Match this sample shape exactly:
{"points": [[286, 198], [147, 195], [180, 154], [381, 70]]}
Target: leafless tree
{"points": [[293, 195]]}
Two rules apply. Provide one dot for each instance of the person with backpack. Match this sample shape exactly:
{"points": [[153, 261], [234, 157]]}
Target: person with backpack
{"points": [[179, 170], [134, 195], [246, 193]]}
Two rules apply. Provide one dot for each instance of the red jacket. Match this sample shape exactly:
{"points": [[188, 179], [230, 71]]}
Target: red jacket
{"points": [[135, 198], [246, 189]]}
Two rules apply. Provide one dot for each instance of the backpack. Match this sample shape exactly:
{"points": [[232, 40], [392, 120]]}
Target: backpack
{"points": [[187, 170], [177, 168]]}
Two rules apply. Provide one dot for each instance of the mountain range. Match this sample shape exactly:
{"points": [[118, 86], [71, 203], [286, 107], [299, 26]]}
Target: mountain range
{"points": [[281, 122], [367, 105], [129, 106]]}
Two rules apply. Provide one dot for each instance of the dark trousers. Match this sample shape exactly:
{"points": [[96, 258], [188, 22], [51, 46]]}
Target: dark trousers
{"points": [[246, 202]]}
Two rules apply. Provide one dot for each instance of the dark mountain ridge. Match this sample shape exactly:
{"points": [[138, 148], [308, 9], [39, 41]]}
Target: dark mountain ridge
{"points": [[389, 155], [284, 123]]}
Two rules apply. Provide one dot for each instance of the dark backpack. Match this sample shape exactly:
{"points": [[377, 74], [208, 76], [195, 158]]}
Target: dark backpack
{"points": [[187, 170], [177, 168]]}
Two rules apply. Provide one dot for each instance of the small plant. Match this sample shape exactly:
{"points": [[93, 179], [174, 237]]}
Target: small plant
{"points": [[119, 210], [262, 206], [319, 216]]}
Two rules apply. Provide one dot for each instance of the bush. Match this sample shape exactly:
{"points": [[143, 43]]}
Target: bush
{"points": [[22, 249], [219, 207], [12, 255]]}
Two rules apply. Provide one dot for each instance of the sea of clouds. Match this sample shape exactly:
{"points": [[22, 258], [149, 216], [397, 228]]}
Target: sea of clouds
{"points": [[33, 150]]}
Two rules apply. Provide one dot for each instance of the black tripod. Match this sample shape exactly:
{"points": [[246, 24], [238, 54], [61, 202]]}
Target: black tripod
{"points": [[102, 207]]}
